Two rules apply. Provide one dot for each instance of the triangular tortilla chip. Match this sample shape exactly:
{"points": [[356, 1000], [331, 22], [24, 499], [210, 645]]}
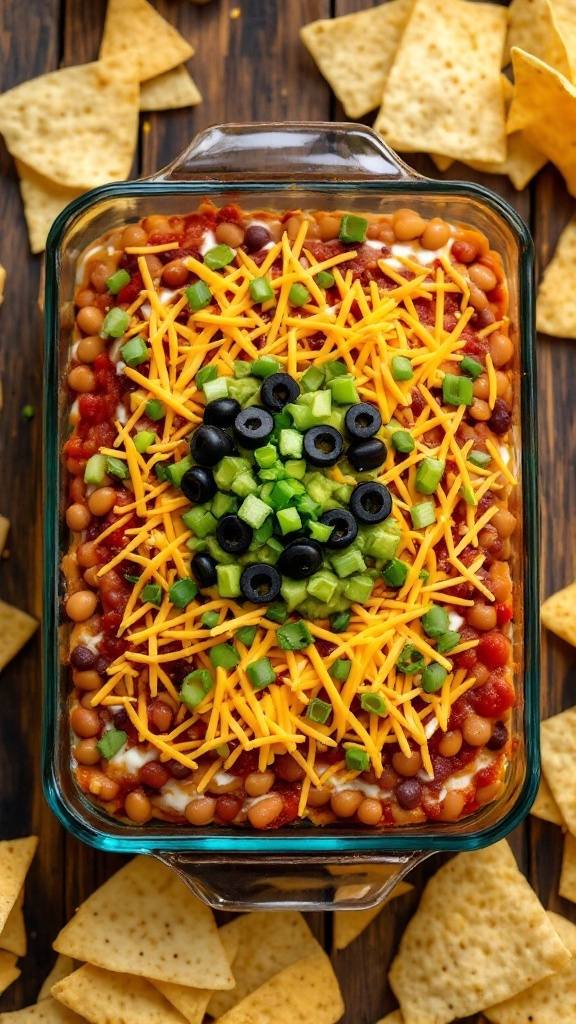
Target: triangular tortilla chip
{"points": [[8, 971], [46, 1012], [15, 859], [170, 91], [4, 522], [192, 1002], [558, 748], [466, 944], [544, 107], [531, 28], [104, 996], [355, 52], [134, 25], [556, 316], [441, 78], [13, 934], [79, 124], [545, 806], [43, 200], [303, 992], [522, 162], [392, 1018], [567, 887], [146, 900], [561, 52], [551, 1001], [63, 966], [288, 938], [16, 628], [349, 924], [2, 283]]}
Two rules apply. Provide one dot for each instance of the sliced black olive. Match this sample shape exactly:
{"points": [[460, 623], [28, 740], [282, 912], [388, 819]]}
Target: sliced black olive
{"points": [[260, 583], [277, 390], [233, 535], [204, 569], [345, 527], [362, 421], [222, 412], [365, 455], [253, 426], [210, 444], [371, 502], [300, 559], [323, 446], [198, 485]]}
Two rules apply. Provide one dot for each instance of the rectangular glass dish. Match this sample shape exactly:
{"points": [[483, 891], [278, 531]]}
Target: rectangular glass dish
{"points": [[325, 167]]}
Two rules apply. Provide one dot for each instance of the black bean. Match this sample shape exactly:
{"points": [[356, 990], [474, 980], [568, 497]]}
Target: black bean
{"points": [[82, 658], [501, 419], [409, 793], [256, 236], [177, 770], [499, 737]]}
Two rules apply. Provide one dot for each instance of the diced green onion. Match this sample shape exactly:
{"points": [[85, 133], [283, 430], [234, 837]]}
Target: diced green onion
{"points": [[429, 475], [117, 467], [155, 410], [319, 711], [266, 456], [323, 585], [254, 511], [246, 635], [457, 390], [95, 470], [357, 760], [312, 378], [115, 323], [261, 290], [277, 612], [348, 561], [410, 660], [265, 366], [471, 367], [210, 619], [448, 641], [324, 279], [358, 588], [199, 295], [339, 622], [182, 592], [224, 656], [205, 373], [480, 459], [223, 750], [288, 520], [135, 351], [334, 368], [216, 388], [112, 741], [131, 579], [219, 257], [423, 515], [340, 670], [401, 368], [433, 677], [260, 673], [352, 229], [264, 532], [290, 443], [295, 469], [395, 572], [373, 703], [152, 594], [403, 441], [117, 281], [175, 470], [294, 636], [320, 531], [228, 579], [195, 686], [200, 520], [423, 574], [343, 390], [298, 294], [435, 621], [143, 439]]}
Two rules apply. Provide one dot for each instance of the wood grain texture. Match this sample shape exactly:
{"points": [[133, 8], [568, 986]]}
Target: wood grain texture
{"points": [[248, 67]]}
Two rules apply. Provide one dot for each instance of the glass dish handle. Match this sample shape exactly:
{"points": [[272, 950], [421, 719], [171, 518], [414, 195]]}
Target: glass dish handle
{"points": [[355, 882], [311, 151]]}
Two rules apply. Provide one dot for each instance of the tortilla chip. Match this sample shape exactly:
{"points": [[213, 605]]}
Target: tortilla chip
{"points": [[170, 91], [63, 966], [17, 628], [556, 316], [392, 1018], [2, 283], [544, 107], [13, 934], [43, 200], [349, 924], [4, 531], [558, 749], [442, 162], [79, 124], [567, 887], [192, 1002], [459, 954], [143, 900], [305, 991], [355, 52], [561, 51], [521, 164], [15, 859], [532, 29], [104, 996], [46, 1012], [288, 938], [551, 1001], [545, 806], [441, 78], [134, 25], [8, 971]]}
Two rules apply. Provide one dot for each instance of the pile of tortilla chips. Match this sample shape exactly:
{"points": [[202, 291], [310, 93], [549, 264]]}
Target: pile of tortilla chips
{"points": [[434, 69], [17, 626], [150, 953], [73, 129], [15, 859]]}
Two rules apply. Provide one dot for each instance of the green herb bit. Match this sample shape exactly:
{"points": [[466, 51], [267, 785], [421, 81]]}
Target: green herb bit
{"points": [[340, 670], [433, 676], [457, 390], [199, 296], [401, 368], [155, 410], [135, 351], [28, 412], [339, 622], [435, 621], [260, 673], [115, 323], [429, 474], [246, 635], [448, 641], [374, 703], [117, 281], [403, 442], [277, 612], [261, 290], [479, 459], [265, 366], [471, 367], [298, 294], [352, 229], [324, 279], [219, 257], [195, 686], [182, 592], [410, 660], [117, 467], [319, 711], [112, 741], [144, 439], [210, 619], [205, 374], [152, 594], [396, 573], [224, 656], [294, 636], [357, 760], [423, 515]]}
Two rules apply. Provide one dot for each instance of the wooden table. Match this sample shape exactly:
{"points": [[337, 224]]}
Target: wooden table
{"points": [[249, 65]]}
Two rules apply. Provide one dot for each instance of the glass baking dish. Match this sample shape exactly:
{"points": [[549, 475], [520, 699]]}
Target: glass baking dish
{"points": [[323, 166]]}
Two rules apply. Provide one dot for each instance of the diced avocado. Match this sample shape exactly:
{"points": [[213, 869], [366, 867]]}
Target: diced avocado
{"points": [[263, 553], [337, 417], [343, 493], [264, 532], [319, 531], [319, 487], [302, 416], [200, 521], [254, 511], [313, 609], [323, 585], [348, 561], [293, 592], [244, 484], [227, 469], [218, 553], [266, 456], [358, 588], [295, 468], [244, 389], [381, 541], [223, 505], [288, 520], [291, 442]]}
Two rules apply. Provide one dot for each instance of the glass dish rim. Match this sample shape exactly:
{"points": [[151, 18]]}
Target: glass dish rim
{"points": [[223, 841]]}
